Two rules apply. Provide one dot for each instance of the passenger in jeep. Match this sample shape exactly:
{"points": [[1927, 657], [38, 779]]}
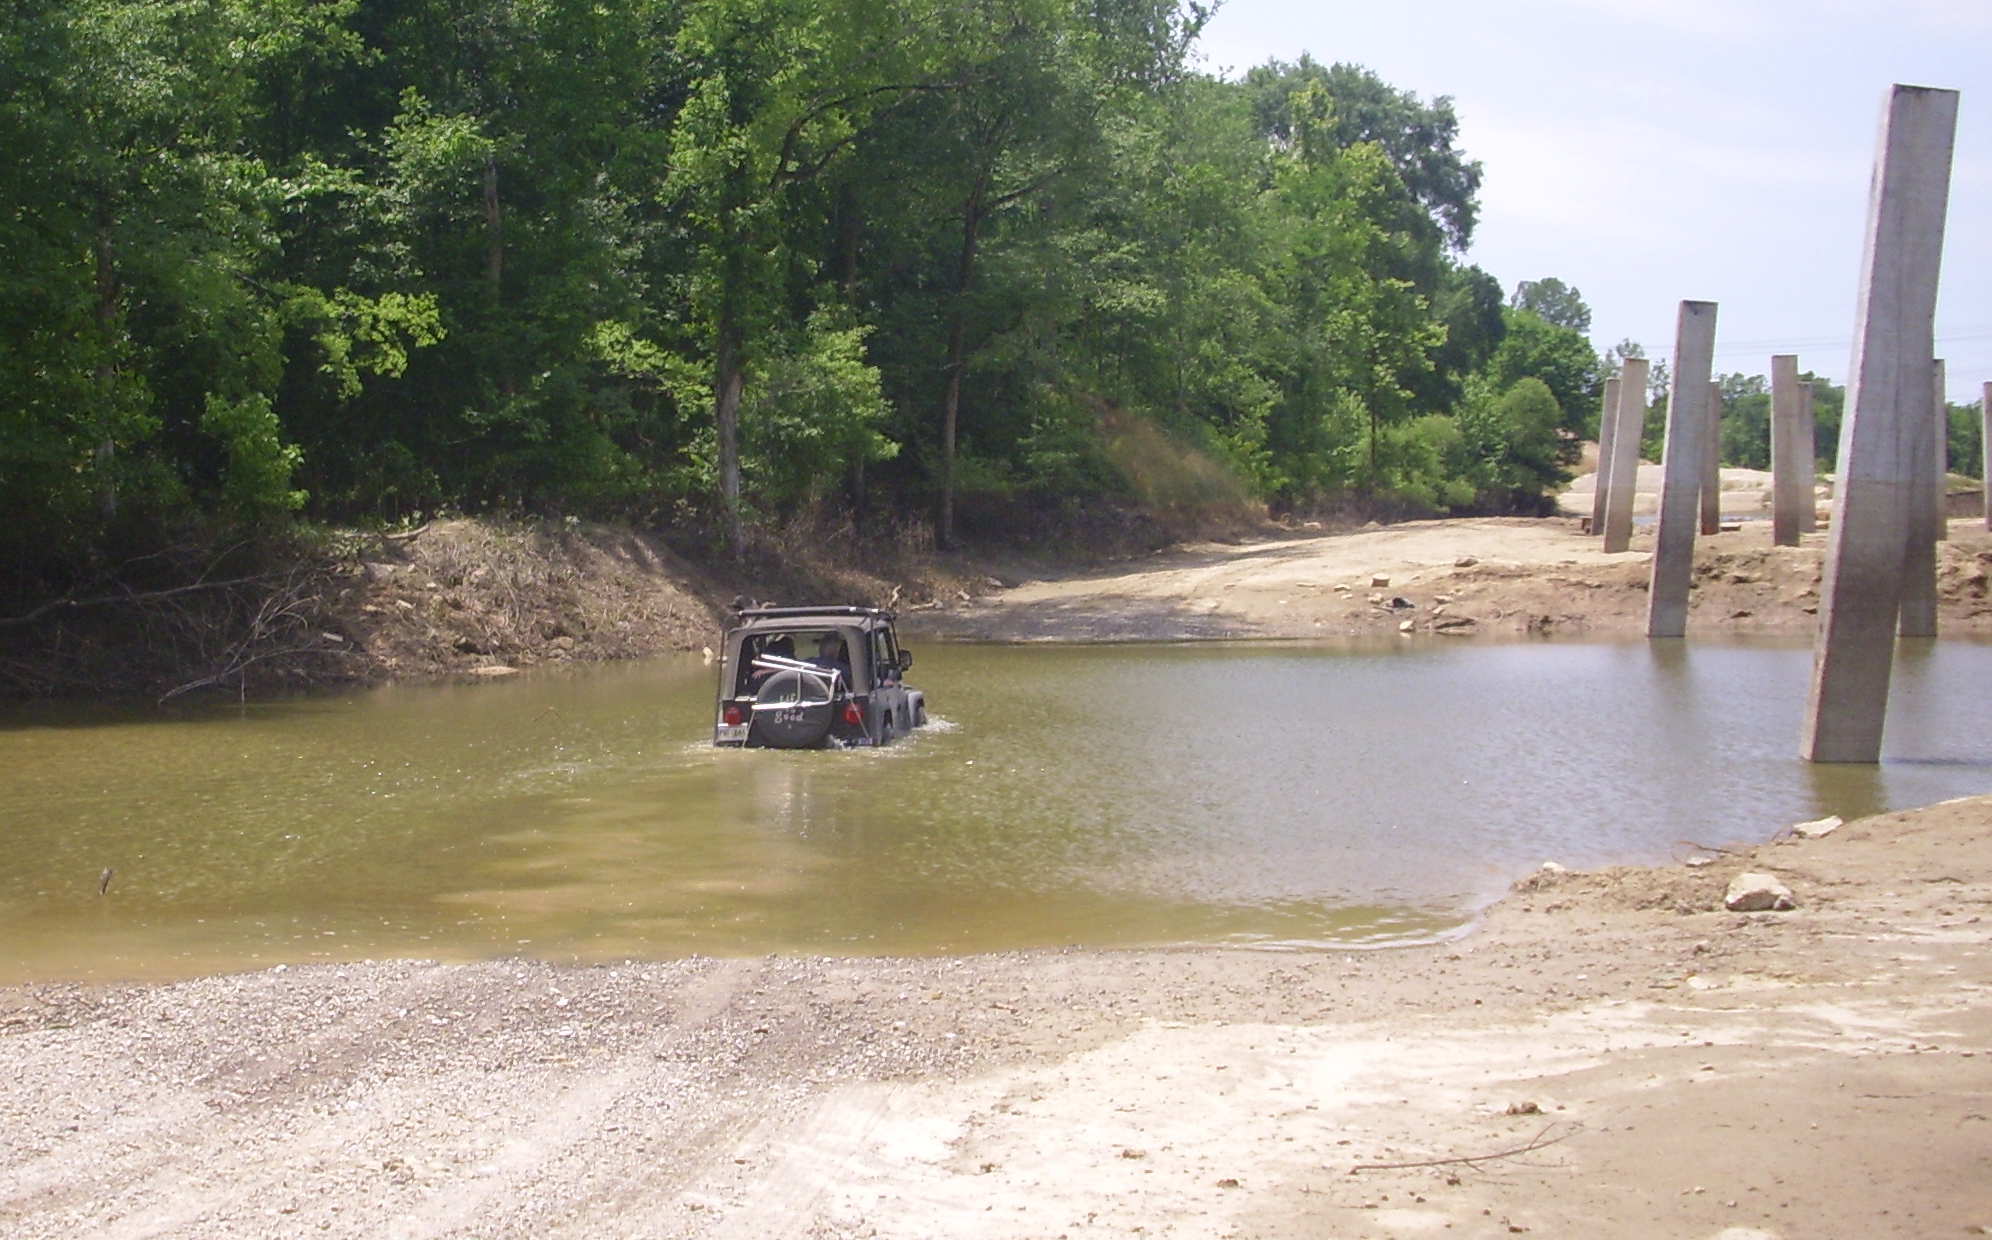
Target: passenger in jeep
{"points": [[782, 647], [831, 654]]}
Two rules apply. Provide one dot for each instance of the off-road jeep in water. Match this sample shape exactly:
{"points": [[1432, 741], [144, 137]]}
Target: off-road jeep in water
{"points": [[813, 678]]}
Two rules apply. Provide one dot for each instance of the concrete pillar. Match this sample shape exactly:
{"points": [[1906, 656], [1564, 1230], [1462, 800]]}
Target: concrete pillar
{"points": [[1918, 614], [1808, 438], [1711, 484], [1942, 381], [1683, 461], [1631, 420], [1888, 396], [1601, 481], [1791, 460], [1985, 439]]}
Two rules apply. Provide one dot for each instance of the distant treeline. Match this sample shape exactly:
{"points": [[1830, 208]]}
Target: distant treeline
{"points": [[711, 262]]}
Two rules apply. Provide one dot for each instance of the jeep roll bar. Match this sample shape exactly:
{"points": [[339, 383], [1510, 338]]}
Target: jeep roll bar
{"points": [[755, 613], [826, 678]]}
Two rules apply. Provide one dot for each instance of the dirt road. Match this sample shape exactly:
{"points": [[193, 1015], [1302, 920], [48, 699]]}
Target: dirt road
{"points": [[1452, 577], [1609, 1055]]}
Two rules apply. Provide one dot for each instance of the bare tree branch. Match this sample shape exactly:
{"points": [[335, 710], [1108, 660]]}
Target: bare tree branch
{"points": [[1536, 1143]]}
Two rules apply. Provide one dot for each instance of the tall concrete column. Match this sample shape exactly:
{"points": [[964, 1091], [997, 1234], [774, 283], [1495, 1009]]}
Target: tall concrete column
{"points": [[1918, 615], [1631, 421], [1791, 460], [1942, 410], [1601, 480], [1711, 484], [1808, 439], [1888, 386], [1985, 439], [1683, 461]]}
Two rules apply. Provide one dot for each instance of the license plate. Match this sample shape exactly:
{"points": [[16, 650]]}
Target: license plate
{"points": [[731, 734]]}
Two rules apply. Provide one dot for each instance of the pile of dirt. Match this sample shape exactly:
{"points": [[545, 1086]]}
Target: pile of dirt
{"points": [[454, 597], [484, 597]]}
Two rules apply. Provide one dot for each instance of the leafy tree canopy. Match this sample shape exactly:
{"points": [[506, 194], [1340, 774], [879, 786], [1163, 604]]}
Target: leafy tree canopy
{"points": [[1555, 302]]}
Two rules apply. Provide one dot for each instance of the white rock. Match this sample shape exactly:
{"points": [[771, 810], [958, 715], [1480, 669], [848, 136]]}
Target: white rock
{"points": [[1818, 826], [1755, 893]]}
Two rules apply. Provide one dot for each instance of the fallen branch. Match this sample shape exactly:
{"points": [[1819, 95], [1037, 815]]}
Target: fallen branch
{"points": [[130, 597], [1536, 1143], [407, 535]]}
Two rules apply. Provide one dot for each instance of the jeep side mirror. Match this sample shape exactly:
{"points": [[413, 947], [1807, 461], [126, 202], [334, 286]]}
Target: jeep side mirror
{"points": [[905, 658]]}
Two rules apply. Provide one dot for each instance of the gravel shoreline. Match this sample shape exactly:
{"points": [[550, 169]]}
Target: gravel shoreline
{"points": [[1612, 1053]]}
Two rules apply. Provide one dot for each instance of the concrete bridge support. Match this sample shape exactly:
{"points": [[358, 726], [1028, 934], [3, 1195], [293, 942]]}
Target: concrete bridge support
{"points": [[1918, 615], [1808, 436], [1711, 485], [1607, 428], [1629, 422], [1942, 380], [1684, 461], [1985, 438], [1887, 415], [1791, 453]]}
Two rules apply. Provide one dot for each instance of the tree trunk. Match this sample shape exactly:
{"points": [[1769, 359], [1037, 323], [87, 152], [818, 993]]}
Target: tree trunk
{"points": [[729, 379], [850, 232], [494, 231], [106, 372], [971, 225], [1371, 486]]}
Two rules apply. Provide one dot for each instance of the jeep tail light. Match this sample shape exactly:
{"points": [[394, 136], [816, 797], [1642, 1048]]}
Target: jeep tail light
{"points": [[851, 715], [733, 716]]}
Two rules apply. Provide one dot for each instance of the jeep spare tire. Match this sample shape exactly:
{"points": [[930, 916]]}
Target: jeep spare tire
{"points": [[785, 719]]}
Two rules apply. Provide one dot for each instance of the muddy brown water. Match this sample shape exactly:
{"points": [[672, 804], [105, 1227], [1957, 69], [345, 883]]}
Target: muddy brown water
{"points": [[1279, 795]]}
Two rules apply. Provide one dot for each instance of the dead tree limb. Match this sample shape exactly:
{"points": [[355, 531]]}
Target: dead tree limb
{"points": [[1535, 1143]]}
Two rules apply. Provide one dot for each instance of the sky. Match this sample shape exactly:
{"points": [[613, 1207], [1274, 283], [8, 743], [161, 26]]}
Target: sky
{"points": [[1649, 152]]}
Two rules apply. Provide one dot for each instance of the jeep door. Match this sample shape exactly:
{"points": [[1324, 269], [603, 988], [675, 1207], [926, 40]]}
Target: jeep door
{"points": [[888, 689]]}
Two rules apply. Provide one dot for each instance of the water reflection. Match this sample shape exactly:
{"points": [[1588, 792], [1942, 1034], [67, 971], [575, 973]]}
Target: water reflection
{"points": [[1268, 794]]}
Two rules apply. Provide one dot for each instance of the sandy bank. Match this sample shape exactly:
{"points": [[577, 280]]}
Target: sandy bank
{"points": [[1455, 578], [1609, 1054]]}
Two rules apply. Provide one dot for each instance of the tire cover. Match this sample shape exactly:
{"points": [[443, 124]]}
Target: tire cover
{"points": [[793, 726]]}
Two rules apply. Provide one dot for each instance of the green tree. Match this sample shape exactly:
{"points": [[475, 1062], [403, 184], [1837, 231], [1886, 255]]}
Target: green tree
{"points": [[1966, 440], [1363, 335], [1555, 302], [135, 304], [779, 91], [1517, 443], [1416, 137], [1746, 421], [1558, 356]]}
